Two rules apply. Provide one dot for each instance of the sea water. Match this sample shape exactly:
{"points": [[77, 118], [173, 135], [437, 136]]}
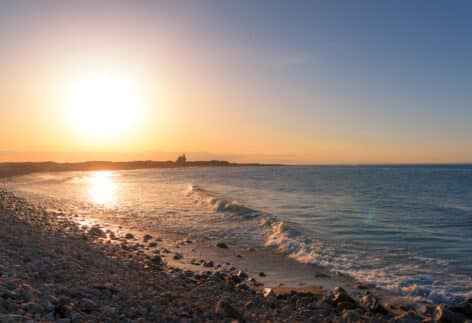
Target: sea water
{"points": [[407, 229]]}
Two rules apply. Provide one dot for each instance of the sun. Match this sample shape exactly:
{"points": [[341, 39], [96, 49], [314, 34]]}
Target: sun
{"points": [[103, 104]]}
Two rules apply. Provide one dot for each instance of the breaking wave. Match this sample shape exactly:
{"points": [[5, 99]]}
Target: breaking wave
{"points": [[222, 205], [362, 267], [287, 238]]}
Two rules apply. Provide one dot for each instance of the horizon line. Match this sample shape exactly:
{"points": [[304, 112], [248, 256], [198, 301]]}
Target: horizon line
{"points": [[246, 163]]}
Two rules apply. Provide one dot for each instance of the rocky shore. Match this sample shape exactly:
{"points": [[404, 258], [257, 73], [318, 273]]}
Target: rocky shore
{"points": [[53, 269]]}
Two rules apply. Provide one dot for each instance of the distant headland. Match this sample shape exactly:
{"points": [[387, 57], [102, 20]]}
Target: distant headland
{"points": [[8, 169]]}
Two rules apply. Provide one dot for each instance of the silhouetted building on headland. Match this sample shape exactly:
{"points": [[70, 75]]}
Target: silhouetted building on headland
{"points": [[182, 159]]}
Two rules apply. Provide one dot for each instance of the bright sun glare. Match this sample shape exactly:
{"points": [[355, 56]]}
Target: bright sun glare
{"points": [[103, 104], [102, 188]]}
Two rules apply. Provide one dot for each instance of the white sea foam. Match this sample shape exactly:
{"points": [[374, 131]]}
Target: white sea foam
{"points": [[220, 204], [288, 240], [368, 269]]}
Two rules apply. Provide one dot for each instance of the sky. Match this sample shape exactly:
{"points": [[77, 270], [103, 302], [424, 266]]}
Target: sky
{"points": [[309, 82]]}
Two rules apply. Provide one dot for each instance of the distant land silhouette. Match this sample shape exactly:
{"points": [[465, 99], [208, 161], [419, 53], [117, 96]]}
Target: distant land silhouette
{"points": [[21, 168]]}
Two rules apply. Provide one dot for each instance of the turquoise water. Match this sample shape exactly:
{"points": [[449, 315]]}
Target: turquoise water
{"points": [[403, 228]]}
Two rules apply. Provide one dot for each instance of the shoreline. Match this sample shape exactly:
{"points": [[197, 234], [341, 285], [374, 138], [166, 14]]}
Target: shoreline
{"points": [[11, 169], [56, 269]]}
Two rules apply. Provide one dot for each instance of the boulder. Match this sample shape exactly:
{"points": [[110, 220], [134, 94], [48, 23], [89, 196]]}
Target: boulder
{"points": [[338, 295]]}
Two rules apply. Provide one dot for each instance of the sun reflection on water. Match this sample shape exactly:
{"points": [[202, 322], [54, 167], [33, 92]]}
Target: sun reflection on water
{"points": [[102, 188]]}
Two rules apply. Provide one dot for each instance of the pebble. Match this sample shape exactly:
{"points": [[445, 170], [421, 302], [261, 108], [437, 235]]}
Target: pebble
{"points": [[408, 317], [222, 245], [208, 264], [225, 309], [268, 293]]}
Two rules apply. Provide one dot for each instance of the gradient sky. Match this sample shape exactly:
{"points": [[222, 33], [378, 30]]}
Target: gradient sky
{"points": [[280, 81]]}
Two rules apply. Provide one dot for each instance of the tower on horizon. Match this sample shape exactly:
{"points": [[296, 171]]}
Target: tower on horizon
{"points": [[181, 159]]}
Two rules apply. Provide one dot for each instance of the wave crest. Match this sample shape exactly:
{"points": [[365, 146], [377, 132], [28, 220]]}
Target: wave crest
{"points": [[218, 204]]}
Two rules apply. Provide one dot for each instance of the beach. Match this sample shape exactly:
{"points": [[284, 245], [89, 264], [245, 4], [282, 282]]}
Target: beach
{"points": [[60, 264], [55, 270]]}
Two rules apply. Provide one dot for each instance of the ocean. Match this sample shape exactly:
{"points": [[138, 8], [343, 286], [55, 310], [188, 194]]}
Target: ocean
{"points": [[407, 229]]}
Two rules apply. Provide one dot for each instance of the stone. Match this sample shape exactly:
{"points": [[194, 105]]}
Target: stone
{"points": [[463, 308], [49, 316], [225, 309], [444, 315], [352, 316], [34, 308], [262, 274], [342, 306], [241, 274], [96, 232], [46, 304], [62, 310], [371, 303], [129, 236], [178, 256], [157, 260], [11, 318], [222, 245], [338, 295], [208, 264], [268, 293], [88, 306], [242, 286], [408, 317], [147, 237]]}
